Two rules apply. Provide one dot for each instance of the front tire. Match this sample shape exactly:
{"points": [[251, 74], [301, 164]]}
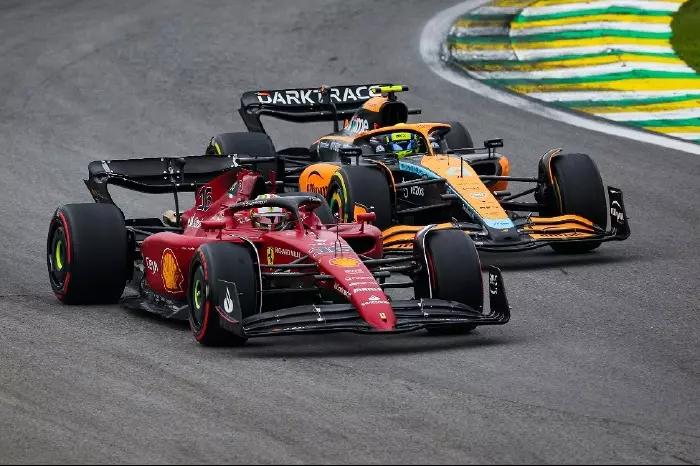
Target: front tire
{"points": [[458, 137], [87, 254], [222, 275], [576, 188], [453, 273]]}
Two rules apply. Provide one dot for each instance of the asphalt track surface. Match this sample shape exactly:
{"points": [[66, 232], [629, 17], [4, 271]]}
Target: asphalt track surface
{"points": [[599, 363]]}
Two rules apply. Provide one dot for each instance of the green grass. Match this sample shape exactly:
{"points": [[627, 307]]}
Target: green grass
{"points": [[686, 33]]}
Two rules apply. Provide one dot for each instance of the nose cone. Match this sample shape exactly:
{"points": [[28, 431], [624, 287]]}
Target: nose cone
{"points": [[375, 308]]}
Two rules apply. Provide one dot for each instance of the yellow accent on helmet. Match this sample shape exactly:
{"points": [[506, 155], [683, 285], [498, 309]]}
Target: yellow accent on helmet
{"points": [[389, 88], [400, 137]]}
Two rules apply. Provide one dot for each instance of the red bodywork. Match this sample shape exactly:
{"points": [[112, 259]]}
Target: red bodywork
{"points": [[167, 256]]}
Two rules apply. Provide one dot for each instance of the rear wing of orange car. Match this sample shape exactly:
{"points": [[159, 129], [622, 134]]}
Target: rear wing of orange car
{"points": [[306, 105]]}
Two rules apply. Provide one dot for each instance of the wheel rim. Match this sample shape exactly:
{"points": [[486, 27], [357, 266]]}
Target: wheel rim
{"points": [[58, 254], [198, 297], [57, 258]]}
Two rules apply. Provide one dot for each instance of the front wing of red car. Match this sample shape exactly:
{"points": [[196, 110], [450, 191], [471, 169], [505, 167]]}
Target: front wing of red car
{"points": [[412, 314]]}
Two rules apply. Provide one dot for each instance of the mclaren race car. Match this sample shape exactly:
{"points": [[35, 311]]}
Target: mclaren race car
{"points": [[416, 174], [246, 262]]}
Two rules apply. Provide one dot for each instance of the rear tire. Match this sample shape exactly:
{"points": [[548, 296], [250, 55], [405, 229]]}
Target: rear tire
{"points": [[87, 254], [245, 144], [577, 189], [360, 185], [455, 275], [215, 269], [458, 137]]}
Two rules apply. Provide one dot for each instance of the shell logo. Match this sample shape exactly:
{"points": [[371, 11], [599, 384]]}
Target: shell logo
{"points": [[344, 262], [170, 272]]}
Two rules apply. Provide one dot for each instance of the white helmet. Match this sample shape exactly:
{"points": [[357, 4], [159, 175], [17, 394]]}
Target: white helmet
{"points": [[269, 218]]}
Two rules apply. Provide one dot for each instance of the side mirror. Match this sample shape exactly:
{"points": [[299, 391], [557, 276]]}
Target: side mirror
{"points": [[366, 217], [493, 143], [213, 224]]}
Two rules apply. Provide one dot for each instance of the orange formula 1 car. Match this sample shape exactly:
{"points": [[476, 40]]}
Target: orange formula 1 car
{"points": [[416, 174]]}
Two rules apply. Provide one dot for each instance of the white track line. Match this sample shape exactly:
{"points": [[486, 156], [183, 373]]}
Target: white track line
{"points": [[431, 49], [607, 96]]}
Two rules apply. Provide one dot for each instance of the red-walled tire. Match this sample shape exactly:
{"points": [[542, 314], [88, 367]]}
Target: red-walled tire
{"points": [[455, 275], [87, 255], [218, 271]]}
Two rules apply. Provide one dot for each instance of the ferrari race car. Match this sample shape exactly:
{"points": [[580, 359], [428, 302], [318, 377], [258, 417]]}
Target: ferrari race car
{"points": [[247, 262], [416, 174]]}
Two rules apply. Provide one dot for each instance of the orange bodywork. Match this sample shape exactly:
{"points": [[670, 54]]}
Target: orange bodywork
{"points": [[465, 181], [561, 227]]}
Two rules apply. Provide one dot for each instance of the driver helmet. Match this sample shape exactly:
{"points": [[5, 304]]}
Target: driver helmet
{"points": [[268, 217], [401, 143]]}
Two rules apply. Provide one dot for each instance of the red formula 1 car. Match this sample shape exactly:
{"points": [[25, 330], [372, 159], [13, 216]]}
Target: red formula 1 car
{"points": [[245, 262]]}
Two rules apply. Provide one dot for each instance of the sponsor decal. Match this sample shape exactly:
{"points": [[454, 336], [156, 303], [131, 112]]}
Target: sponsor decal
{"points": [[341, 290], [312, 188], [194, 222], [413, 191], [228, 302], [170, 272], [357, 125], [499, 224], [354, 281], [493, 283], [288, 252], [354, 271], [344, 262], [205, 198], [151, 265], [375, 300], [616, 212], [314, 97], [365, 290], [418, 191], [270, 256], [319, 250], [478, 195], [382, 316]]}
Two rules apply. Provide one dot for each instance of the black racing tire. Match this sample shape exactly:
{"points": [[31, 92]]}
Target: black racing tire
{"points": [[87, 254], [362, 185], [578, 189], [323, 211], [216, 267], [455, 275], [245, 144], [458, 137]]}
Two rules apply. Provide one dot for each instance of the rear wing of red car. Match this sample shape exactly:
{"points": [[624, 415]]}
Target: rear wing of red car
{"points": [[308, 104], [160, 175]]}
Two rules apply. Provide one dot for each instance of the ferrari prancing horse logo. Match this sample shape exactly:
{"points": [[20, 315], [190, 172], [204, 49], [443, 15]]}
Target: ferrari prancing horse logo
{"points": [[270, 256]]}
